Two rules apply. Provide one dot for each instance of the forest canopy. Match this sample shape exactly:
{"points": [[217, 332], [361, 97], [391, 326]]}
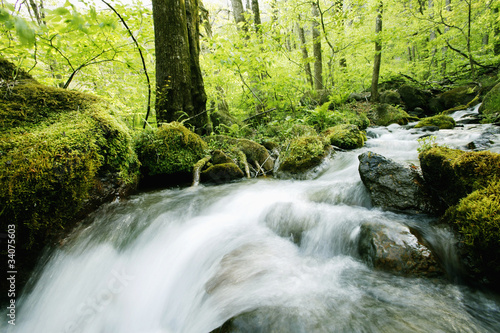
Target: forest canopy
{"points": [[258, 59]]}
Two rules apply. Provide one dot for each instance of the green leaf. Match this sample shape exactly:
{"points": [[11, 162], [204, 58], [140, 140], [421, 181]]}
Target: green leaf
{"points": [[4, 15], [25, 33], [60, 11]]}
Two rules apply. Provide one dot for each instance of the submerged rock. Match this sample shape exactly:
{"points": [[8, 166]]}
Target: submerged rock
{"points": [[393, 248], [393, 186]]}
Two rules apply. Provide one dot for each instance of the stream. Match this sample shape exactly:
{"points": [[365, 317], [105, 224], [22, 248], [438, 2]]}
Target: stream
{"points": [[279, 255]]}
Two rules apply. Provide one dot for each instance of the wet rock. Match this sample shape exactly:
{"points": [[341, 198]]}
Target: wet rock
{"points": [[485, 140], [490, 108], [417, 112], [254, 152], [452, 174], [385, 114], [222, 173], [441, 121], [429, 128], [413, 98], [303, 154], [460, 96], [393, 186], [219, 157], [345, 136], [393, 248]]}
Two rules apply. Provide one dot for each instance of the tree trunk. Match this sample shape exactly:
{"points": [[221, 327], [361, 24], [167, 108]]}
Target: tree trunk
{"points": [[305, 55], [180, 93], [496, 32], [238, 11], [318, 61], [256, 14], [378, 53]]}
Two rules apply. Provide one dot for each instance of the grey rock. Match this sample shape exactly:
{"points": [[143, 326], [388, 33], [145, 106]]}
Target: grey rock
{"points": [[393, 186]]}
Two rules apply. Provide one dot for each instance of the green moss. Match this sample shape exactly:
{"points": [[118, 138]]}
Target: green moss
{"points": [[477, 219], [491, 105], [221, 173], [385, 114], [53, 157], [303, 154], [170, 149], [345, 136], [441, 121], [453, 173]]}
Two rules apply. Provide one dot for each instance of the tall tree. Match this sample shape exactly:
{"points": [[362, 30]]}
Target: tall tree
{"points": [[496, 32], [305, 54], [378, 53], [238, 11], [256, 14], [318, 60], [180, 92]]}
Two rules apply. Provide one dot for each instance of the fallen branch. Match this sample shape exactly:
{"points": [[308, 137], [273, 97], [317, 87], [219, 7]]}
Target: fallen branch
{"points": [[259, 114]]}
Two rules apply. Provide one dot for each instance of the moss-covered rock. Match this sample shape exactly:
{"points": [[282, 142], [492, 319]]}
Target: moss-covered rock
{"points": [[385, 114], [441, 121], [413, 97], [222, 173], [453, 174], [491, 105], [345, 136], [303, 154], [477, 219], [169, 149], [62, 153], [255, 153], [391, 97], [459, 97]]}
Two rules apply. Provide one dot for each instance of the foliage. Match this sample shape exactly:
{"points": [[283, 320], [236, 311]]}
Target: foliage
{"points": [[169, 149], [345, 136], [322, 118], [303, 154], [441, 121], [55, 149], [425, 143]]}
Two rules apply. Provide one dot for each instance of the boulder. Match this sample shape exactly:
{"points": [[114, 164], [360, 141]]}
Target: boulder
{"points": [[385, 114], [413, 98], [441, 121], [476, 219], [303, 154], [485, 140], [391, 97], [393, 186], [490, 108], [393, 248], [345, 136], [221, 173], [169, 150], [359, 97], [452, 174], [461, 97], [255, 153]]}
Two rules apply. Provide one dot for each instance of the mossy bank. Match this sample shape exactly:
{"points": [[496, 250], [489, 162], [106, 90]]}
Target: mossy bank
{"points": [[62, 153]]}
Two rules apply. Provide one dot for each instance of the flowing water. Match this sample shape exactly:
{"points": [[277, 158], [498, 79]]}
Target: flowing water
{"points": [[282, 254]]}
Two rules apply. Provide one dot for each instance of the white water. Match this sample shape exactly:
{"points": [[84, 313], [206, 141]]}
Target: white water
{"points": [[187, 260]]}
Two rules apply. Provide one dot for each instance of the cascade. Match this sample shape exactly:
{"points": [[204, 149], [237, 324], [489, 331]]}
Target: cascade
{"points": [[277, 255]]}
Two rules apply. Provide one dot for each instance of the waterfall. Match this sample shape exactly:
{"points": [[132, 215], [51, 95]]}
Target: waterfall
{"points": [[275, 255]]}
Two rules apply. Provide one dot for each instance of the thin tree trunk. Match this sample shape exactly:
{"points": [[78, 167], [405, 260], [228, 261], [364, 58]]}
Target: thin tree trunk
{"points": [[378, 53], [256, 14], [305, 55], [318, 61], [496, 32]]}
